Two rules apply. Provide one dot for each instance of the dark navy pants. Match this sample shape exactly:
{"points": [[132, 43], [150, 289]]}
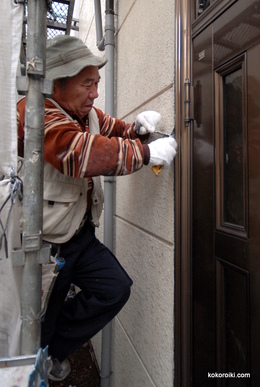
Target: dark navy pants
{"points": [[105, 288]]}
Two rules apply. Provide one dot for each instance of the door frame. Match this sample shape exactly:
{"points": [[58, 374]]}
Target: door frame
{"points": [[183, 199], [185, 30]]}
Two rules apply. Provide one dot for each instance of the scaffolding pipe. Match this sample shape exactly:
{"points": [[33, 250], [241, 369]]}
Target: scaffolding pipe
{"points": [[109, 182], [100, 41], [33, 178]]}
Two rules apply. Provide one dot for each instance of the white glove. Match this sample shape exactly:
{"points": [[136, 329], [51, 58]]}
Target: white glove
{"points": [[145, 122], [162, 151]]}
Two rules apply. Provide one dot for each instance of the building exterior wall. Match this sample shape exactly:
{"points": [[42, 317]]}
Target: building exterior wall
{"points": [[143, 332]]}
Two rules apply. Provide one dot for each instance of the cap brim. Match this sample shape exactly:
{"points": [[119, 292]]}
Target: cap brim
{"points": [[70, 69]]}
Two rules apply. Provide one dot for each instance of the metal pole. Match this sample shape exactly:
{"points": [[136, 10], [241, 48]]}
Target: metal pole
{"points": [[99, 31], [109, 182], [33, 177]]}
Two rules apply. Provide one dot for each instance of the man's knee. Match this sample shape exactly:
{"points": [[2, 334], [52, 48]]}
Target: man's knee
{"points": [[121, 292], [126, 292]]}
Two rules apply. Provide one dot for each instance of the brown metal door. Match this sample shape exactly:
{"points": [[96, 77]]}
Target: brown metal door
{"points": [[226, 200]]}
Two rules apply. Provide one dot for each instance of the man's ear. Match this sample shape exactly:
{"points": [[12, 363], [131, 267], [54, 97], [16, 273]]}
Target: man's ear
{"points": [[55, 87]]}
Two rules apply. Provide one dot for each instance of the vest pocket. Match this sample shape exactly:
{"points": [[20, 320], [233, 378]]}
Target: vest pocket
{"points": [[61, 209]]}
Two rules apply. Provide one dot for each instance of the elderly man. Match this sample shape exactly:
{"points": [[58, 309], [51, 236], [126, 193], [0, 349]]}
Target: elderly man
{"points": [[81, 143]]}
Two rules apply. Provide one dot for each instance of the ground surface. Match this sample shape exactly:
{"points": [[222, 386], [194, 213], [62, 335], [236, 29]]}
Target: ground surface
{"points": [[84, 372]]}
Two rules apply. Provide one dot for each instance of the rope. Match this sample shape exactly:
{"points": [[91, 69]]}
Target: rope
{"points": [[16, 188]]}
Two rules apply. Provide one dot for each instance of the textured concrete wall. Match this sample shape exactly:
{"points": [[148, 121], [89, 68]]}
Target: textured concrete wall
{"points": [[143, 340]]}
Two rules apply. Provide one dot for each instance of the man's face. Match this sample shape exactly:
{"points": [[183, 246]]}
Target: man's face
{"points": [[80, 92]]}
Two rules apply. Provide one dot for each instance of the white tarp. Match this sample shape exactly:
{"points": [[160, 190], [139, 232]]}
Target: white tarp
{"points": [[11, 18]]}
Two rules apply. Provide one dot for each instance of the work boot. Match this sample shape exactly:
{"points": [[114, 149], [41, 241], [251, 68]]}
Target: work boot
{"points": [[59, 370]]}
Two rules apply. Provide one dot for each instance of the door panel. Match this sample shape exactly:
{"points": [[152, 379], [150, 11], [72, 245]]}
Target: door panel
{"points": [[254, 202], [233, 320], [231, 234], [226, 198], [204, 289]]}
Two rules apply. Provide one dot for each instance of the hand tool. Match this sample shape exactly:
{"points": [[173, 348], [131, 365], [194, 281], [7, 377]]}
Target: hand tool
{"points": [[157, 169]]}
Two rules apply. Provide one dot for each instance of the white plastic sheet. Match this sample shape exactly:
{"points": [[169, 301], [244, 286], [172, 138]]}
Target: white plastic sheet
{"points": [[11, 18]]}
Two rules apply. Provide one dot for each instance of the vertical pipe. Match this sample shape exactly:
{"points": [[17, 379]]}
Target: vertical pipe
{"points": [[33, 178], [109, 182], [99, 30]]}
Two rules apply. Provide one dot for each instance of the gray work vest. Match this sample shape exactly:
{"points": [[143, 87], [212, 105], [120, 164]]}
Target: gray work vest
{"points": [[65, 197]]}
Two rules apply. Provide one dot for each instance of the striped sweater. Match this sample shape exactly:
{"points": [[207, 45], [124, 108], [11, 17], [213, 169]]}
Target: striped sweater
{"points": [[72, 150]]}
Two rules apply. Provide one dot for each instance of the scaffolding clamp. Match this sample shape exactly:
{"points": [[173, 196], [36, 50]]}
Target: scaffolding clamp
{"points": [[32, 243], [22, 83], [35, 66]]}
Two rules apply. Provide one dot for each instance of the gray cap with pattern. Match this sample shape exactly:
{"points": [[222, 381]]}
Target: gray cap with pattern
{"points": [[67, 55]]}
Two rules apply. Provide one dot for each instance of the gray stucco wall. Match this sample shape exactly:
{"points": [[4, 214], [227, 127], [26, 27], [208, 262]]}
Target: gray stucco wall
{"points": [[143, 332]]}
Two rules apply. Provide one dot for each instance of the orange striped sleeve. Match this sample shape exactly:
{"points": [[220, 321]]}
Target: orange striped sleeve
{"points": [[70, 148]]}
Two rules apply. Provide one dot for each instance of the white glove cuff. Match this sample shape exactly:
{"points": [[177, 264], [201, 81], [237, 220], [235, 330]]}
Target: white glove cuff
{"points": [[162, 151]]}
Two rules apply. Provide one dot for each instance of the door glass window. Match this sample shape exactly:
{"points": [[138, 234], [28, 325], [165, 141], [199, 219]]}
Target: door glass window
{"points": [[233, 148]]}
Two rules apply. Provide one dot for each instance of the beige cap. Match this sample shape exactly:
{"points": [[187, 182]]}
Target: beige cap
{"points": [[67, 55]]}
